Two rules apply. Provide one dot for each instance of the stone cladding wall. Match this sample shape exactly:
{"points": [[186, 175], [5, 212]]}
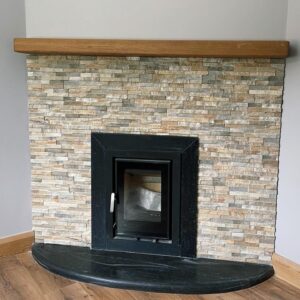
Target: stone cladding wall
{"points": [[232, 105]]}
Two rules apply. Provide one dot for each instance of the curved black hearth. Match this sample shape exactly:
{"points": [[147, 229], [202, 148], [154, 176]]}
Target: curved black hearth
{"points": [[148, 272]]}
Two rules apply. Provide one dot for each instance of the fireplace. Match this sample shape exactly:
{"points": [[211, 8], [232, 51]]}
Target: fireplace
{"points": [[147, 203], [144, 193]]}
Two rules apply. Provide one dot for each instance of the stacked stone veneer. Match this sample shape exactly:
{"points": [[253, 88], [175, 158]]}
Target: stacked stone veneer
{"points": [[232, 105]]}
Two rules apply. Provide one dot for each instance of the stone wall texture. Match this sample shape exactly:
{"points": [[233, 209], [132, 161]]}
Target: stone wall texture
{"points": [[232, 105]]}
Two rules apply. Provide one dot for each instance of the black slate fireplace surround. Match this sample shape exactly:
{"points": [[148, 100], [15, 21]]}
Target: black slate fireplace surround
{"points": [[144, 193]]}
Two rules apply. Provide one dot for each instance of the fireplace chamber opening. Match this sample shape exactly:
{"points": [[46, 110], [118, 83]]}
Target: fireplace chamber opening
{"points": [[142, 190]]}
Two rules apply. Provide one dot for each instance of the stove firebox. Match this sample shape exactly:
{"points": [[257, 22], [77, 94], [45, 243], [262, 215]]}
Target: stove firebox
{"points": [[144, 193], [142, 188]]}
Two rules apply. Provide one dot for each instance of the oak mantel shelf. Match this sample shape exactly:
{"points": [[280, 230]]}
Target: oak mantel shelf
{"points": [[163, 48]]}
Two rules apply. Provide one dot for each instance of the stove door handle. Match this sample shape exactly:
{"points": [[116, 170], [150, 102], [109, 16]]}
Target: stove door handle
{"points": [[112, 202]]}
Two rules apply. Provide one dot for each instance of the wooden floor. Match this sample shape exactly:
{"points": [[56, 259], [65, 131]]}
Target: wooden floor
{"points": [[22, 278]]}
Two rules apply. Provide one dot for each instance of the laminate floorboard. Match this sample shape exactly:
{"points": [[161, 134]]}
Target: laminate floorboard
{"points": [[22, 278]]}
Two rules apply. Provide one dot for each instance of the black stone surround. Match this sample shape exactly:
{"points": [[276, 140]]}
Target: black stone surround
{"points": [[146, 272], [176, 156]]}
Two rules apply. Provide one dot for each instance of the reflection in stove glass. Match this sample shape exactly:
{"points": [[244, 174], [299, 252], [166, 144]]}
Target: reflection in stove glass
{"points": [[142, 195]]}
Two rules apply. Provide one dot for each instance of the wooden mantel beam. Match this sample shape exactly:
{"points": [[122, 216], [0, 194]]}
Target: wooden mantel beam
{"points": [[163, 48]]}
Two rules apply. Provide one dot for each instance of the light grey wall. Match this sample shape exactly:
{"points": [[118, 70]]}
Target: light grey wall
{"points": [[15, 202], [160, 19], [288, 210]]}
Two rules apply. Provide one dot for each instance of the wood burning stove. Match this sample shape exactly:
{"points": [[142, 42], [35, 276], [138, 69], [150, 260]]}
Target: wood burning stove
{"points": [[144, 193]]}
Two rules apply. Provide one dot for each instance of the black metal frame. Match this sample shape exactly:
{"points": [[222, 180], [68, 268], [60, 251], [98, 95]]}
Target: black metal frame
{"points": [[182, 153]]}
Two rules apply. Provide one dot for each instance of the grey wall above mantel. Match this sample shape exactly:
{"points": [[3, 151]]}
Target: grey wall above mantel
{"points": [[157, 19]]}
